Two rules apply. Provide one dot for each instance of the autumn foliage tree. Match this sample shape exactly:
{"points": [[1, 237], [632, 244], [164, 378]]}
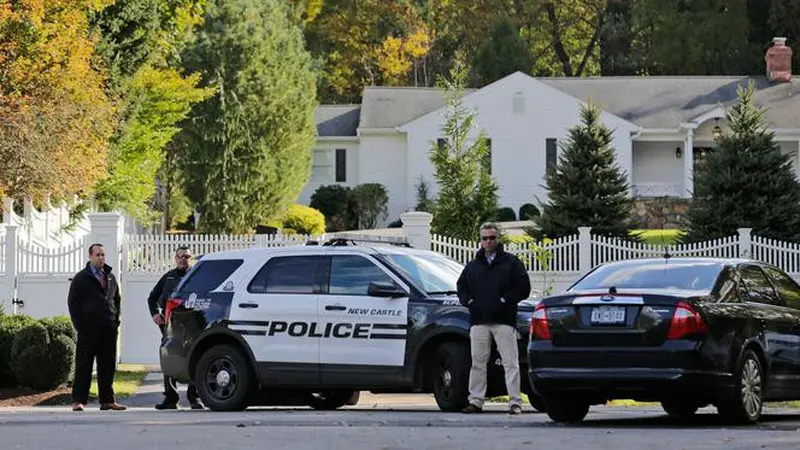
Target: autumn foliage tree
{"points": [[55, 118]]}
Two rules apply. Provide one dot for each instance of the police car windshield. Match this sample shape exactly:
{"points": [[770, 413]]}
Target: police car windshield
{"points": [[435, 274]]}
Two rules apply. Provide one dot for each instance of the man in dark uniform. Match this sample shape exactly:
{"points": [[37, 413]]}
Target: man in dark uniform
{"points": [[94, 306], [156, 302]]}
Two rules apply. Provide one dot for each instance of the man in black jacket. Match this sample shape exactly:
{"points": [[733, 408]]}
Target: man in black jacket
{"points": [[94, 306], [157, 302], [491, 285]]}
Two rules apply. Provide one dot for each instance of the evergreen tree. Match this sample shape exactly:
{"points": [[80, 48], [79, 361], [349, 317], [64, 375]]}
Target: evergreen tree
{"points": [[746, 182], [467, 192], [247, 150], [586, 188], [504, 53]]}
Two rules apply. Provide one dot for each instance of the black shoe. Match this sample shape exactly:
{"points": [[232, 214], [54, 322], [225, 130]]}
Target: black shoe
{"points": [[197, 404], [166, 405]]}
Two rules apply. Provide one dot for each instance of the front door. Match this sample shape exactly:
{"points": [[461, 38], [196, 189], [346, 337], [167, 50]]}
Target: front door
{"points": [[365, 337], [277, 315]]}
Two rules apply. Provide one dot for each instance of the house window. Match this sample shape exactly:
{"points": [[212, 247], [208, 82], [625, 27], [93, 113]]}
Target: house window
{"points": [[551, 153], [488, 156], [322, 166], [341, 165]]}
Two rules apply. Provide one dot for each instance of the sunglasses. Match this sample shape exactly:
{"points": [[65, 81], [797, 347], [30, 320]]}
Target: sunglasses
{"points": [[187, 257], [488, 238]]}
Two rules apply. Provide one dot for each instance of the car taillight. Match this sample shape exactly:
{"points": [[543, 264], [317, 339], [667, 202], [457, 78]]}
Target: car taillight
{"points": [[539, 328], [685, 322], [172, 303]]}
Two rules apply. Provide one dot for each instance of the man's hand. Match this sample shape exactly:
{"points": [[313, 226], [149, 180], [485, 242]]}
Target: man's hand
{"points": [[158, 319]]}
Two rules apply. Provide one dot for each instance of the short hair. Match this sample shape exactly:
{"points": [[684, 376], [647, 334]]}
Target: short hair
{"points": [[182, 247], [91, 248], [491, 226]]}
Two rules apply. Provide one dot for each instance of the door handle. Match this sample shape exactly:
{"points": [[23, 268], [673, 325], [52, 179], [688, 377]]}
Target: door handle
{"points": [[248, 305], [335, 308]]}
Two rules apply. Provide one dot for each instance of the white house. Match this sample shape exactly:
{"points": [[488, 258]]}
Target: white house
{"points": [[661, 125]]}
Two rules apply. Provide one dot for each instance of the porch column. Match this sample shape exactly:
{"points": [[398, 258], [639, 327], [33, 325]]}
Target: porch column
{"points": [[688, 164]]}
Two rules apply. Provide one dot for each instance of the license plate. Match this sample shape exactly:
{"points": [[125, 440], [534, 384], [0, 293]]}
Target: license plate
{"points": [[608, 315]]}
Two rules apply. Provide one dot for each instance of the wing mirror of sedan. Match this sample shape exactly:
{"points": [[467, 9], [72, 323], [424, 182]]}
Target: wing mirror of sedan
{"points": [[385, 290]]}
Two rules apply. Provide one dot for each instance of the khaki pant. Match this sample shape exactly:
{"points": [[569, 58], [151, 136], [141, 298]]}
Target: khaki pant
{"points": [[481, 343]]}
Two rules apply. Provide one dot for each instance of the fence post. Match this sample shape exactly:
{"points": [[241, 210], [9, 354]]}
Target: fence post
{"points": [[585, 249], [11, 266], [8, 211], [745, 242], [417, 227], [107, 229]]}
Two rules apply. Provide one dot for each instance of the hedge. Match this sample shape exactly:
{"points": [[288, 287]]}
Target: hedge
{"points": [[38, 354]]}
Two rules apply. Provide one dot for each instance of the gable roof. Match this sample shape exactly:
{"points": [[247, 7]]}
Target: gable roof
{"points": [[666, 102], [650, 102], [389, 107], [337, 120]]}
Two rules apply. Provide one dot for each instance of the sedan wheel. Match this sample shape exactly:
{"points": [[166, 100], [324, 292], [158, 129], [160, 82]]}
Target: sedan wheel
{"points": [[746, 403]]}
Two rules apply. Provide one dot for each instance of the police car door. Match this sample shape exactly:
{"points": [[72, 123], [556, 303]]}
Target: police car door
{"points": [[364, 335], [277, 314]]}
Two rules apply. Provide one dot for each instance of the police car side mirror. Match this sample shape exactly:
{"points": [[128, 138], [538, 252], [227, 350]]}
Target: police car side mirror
{"points": [[385, 290]]}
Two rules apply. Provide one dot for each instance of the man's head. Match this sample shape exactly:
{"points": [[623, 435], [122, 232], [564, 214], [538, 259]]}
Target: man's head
{"points": [[182, 258], [97, 255], [490, 237]]}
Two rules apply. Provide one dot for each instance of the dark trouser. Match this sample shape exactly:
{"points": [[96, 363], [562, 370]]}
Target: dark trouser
{"points": [[100, 344], [171, 395]]}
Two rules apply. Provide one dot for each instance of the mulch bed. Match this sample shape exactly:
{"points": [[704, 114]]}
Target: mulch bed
{"points": [[11, 397]]}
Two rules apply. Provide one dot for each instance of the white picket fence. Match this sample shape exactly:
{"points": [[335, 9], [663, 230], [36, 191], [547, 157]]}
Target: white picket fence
{"points": [[45, 227], [578, 253]]}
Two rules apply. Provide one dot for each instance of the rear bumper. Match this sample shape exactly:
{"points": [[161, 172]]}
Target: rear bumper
{"points": [[676, 369], [174, 361]]}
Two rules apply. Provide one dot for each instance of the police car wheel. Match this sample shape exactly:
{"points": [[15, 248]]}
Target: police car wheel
{"points": [[450, 369], [223, 378], [328, 400]]}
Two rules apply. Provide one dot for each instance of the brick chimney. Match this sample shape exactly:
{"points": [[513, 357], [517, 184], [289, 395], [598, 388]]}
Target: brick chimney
{"points": [[779, 61]]}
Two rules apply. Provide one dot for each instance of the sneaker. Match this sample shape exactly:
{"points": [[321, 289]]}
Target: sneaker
{"points": [[112, 407], [515, 410], [472, 409], [166, 405], [197, 404]]}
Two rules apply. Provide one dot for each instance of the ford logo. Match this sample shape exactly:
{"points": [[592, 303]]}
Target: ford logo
{"points": [[607, 298]]}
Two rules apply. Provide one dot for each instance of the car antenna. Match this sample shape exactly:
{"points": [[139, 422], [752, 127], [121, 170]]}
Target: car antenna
{"points": [[667, 256]]}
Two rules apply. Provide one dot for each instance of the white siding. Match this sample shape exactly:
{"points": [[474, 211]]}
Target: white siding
{"points": [[656, 168], [382, 159]]}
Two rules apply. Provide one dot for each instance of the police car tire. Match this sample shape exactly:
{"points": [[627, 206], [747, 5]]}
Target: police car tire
{"points": [[244, 378], [454, 358], [329, 400]]}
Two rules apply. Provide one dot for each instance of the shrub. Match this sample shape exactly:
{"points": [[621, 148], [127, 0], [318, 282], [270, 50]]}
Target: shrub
{"points": [[59, 325], [332, 201], [304, 220], [369, 204], [9, 326], [396, 224], [505, 214], [528, 211], [40, 361]]}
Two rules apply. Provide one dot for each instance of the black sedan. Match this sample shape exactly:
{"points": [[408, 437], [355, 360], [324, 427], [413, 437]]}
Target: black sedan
{"points": [[686, 332]]}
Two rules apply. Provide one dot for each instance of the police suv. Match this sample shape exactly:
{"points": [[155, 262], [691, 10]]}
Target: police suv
{"points": [[315, 325]]}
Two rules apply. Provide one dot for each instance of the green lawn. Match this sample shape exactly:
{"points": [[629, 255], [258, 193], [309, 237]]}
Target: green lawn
{"points": [[654, 237], [658, 237], [125, 383]]}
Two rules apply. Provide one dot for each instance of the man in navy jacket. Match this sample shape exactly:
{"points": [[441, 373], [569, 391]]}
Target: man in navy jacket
{"points": [[491, 286]]}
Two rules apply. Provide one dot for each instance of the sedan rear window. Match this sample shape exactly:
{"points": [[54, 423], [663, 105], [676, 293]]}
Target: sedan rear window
{"points": [[670, 274]]}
